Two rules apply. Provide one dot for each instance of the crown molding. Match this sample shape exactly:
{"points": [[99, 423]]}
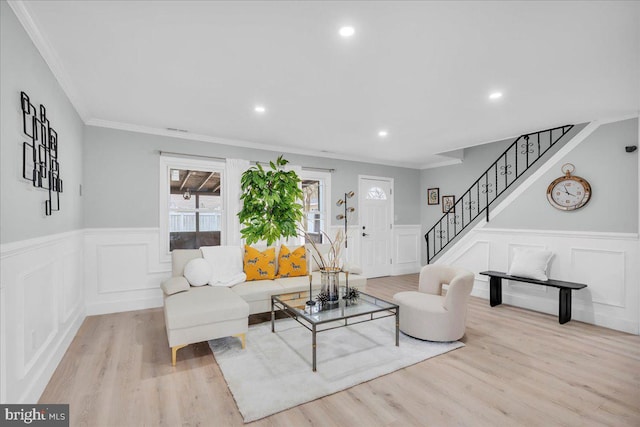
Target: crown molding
{"points": [[242, 143], [442, 163], [30, 24]]}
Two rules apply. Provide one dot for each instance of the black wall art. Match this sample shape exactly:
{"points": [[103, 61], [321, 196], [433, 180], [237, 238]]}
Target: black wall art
{"points": [[40, 155]]}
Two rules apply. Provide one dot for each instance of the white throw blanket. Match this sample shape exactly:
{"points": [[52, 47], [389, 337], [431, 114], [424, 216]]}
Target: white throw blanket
{"points": [[226, 264]]}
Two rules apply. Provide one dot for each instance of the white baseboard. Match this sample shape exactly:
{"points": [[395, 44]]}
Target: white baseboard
{"points": [[98, 308]]}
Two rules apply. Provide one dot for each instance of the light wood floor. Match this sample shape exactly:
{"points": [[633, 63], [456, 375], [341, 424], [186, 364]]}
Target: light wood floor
{"points": [[518, 368]]}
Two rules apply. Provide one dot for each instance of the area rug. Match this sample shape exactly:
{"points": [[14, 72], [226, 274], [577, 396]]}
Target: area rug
{"points": [[274, 372]]}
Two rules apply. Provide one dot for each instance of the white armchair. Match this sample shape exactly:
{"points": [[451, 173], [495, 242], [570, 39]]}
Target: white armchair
{"points": [[427, 314]]}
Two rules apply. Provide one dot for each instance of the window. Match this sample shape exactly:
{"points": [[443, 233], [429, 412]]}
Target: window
{"points": [[191, 204], [316, 189], [376, 193], [195, 209]]}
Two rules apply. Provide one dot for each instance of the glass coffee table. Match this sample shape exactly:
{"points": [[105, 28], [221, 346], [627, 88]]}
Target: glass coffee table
{"points": [[342, 313]]}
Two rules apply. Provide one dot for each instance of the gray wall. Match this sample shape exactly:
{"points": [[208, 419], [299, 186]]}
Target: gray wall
{"points": [[613, 174], [122, 169], [456, 179], [601, 159], [21, 205]]}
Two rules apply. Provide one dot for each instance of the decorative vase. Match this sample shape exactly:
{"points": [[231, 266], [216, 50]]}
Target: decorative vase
{"points": [[330, 283]]}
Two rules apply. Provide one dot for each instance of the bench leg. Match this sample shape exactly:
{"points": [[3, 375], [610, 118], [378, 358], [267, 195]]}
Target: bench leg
{"points": [[243, 339], [495, 291], [174, 352], [564, 314]]}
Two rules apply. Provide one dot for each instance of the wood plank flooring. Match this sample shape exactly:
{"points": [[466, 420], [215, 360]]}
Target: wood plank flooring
{"points": [[518, 368]]}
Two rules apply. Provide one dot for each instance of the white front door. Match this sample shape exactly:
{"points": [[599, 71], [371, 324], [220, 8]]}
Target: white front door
{"points": [[375, 205]]}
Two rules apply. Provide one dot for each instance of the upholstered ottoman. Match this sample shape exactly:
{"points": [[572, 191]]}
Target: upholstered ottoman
{"points": [[204, 313]]}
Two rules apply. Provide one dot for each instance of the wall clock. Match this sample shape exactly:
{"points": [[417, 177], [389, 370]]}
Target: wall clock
{"points": [[569, 192]]}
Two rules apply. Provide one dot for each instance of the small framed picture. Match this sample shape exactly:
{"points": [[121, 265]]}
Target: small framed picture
{"points": [[433, 196], [448, 202]]}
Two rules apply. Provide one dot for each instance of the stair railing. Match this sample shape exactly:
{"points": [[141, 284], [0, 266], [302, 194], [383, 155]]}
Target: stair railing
{"points": [[523, 153]]}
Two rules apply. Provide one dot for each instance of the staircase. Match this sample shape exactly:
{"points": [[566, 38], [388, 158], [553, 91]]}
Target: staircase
{"points": [[523, 153]]}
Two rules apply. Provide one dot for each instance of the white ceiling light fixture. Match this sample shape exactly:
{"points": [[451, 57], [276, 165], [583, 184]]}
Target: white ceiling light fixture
{"points": [[495, 95], [260, 109], [347, 31], [383, 133]]}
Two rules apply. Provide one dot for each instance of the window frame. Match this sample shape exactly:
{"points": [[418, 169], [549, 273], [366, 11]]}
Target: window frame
{"points": [[173, 162], [325, 178]]}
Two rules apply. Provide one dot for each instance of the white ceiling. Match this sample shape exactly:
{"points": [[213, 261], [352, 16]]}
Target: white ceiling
{"points": [[421, 70]]}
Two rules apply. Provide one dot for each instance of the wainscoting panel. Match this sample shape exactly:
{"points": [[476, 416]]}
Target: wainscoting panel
{"points": [[123, 270], [608, 274], [406, 249], [41, 309], [606, 262]]}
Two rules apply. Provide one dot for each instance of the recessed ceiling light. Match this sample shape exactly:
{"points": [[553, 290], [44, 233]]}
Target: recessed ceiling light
{"points": [[260, 109], [495, 95], [347, 31], [383, 134]]}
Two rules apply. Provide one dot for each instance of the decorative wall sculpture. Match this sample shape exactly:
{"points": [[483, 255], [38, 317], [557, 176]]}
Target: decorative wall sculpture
{"points": [[40, 156]]}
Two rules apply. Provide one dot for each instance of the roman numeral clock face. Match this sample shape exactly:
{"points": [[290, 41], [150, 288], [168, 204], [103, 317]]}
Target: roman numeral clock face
{"points": [[569, 192]]}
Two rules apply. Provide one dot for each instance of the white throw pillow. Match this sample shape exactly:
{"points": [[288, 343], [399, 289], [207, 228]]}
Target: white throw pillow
{"points": [[530, 263], [225, 263], [197, 272]]}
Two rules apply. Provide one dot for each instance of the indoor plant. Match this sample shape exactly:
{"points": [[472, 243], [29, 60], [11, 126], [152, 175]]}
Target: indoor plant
{"points": [[271, 208]]}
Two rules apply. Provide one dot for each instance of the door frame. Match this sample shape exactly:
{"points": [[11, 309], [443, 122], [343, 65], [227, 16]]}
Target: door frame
{"points": [[391, 215]]}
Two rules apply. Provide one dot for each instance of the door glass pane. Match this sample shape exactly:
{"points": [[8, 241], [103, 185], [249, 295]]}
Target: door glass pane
{"points": [[376, 193]]}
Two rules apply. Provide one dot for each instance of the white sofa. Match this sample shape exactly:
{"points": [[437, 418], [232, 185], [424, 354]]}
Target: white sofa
{"points": [[196, 314]]}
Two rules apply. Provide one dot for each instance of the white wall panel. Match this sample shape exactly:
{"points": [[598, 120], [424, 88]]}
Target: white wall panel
{"points": [[604, 270], [606, 262], [406, 249], [41, 307], [123, 270]]}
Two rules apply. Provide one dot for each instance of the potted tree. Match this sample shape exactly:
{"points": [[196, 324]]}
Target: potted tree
{"points": [[271, 208]]}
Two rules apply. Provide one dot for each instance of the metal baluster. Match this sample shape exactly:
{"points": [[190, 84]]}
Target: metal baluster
{"points": [[478, 198], [516, 158], [486, 177], [448, 235], [506, 180]]}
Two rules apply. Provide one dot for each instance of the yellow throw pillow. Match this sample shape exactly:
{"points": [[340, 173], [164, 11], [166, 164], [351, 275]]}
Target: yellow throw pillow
{"points": [[292, 264], [259, 265]]}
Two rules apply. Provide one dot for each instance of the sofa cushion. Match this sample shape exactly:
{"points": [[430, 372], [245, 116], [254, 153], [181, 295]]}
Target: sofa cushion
{"points": [[202, 306], [258, 290], [197, 272], [296, 284], [259, 265], [174, 285], [292, 263]]}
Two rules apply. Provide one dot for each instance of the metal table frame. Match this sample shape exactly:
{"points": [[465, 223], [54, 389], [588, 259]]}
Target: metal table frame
{"points": [[304, 318]]}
